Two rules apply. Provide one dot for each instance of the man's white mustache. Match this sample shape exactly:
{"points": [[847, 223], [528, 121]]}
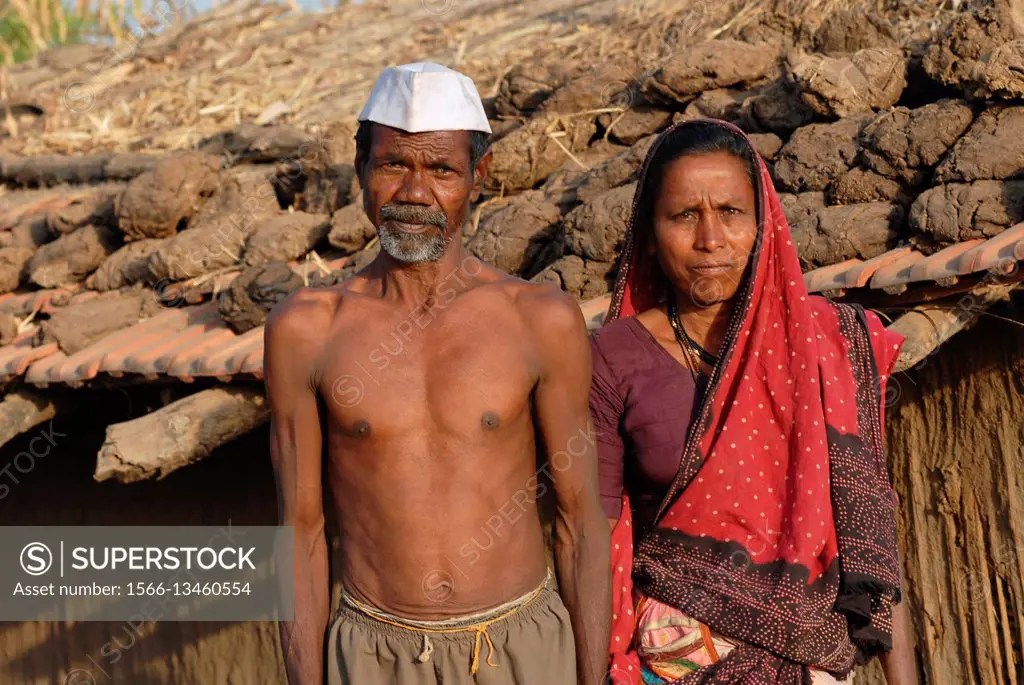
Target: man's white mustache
{"points": [[413, 215]]}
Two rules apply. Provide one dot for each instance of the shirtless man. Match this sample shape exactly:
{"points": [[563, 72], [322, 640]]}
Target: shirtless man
{"points": [[427, 376]]}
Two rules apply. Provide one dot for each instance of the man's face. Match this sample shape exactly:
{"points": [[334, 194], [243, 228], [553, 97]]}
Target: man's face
{"points": [[417, 190]]}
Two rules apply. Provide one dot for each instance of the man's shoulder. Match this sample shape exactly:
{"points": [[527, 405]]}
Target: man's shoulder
{"points": [[304, 315], [549, 310]]}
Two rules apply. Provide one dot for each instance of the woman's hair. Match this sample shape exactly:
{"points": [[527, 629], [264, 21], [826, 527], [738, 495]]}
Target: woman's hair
{"points": [[698, 138]]}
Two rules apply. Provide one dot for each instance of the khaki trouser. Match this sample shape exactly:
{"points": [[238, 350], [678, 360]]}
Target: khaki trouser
{"points": [[526, 642]]}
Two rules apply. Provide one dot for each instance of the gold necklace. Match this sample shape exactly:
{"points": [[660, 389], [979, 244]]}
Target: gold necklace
{"points": [[689, 355]]}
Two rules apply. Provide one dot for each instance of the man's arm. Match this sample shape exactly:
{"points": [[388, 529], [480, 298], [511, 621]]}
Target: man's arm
{"points": [[581, 537], [295, 449]]}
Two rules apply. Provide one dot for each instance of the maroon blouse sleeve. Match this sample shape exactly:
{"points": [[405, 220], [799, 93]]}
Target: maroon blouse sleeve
{"points": [[606, 409]]}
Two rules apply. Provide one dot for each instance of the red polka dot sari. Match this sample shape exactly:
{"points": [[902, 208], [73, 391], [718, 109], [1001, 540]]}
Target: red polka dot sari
{"points": [[779, 529]]}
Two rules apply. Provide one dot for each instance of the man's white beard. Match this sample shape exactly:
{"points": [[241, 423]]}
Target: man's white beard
{"points": [[413, 248]]}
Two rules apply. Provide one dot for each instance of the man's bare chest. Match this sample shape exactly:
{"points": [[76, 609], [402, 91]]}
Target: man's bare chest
{"points": [[459, 371]]}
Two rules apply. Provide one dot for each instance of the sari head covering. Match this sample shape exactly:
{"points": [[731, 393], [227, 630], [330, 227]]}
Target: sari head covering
{"points": [[779, 528]]}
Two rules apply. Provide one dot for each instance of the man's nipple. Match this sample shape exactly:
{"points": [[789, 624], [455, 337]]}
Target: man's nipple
{"points": [[489, 420]]}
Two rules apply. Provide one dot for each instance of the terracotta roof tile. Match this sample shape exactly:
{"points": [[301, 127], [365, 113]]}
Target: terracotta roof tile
{"points": [[859, 275], [16, 356], [896, 272], [830, 277], [36, 299], [1008, 246], [179, 363], [943, 264], [253, 362], [141, 337], [893, 270], [228, 360], [200, 319], [39, 372]]}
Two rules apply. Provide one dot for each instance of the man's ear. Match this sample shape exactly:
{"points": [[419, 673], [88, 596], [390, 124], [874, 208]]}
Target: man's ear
{"points": [[360, 160], [480, 173]]}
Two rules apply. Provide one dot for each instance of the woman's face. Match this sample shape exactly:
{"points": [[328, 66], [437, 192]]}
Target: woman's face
{"points": [[705, 224]]}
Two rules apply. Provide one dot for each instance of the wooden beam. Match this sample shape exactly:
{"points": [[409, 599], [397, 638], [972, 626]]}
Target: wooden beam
{"points": [[179, 434], [928, 326], [22, 411]]}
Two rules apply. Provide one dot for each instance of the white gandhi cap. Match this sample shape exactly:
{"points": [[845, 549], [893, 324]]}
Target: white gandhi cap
{"points": [[425, 97]]}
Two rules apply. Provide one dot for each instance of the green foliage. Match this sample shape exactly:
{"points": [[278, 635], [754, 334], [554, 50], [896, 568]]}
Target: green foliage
{"points": [[29, 26]]}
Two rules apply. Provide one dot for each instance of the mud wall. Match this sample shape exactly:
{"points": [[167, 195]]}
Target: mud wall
{"points": [[956, 445]]}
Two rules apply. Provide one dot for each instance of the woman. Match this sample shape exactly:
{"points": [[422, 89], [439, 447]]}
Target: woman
{"points": [[739, 427]]}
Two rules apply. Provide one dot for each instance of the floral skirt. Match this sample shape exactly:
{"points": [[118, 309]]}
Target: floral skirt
{"points": [[671, 645]]}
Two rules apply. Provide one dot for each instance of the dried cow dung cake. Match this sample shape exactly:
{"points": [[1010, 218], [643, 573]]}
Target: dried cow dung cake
{"points": [[127, 266], [999, 74], [286, 236], [777, 27], [583, 278], [13, 261], [616, 171], [215, 237], [513, 237], [525, 157], [31, 232], [248, 143], [836, 87], [634, 124], [528, 84], [766, 144], [720, 103], [350, 228], [72, 257], [357, 262], [953, 59], [156, 203], [957, 212], [78, 326], [829, 235], [607, 84], [8, 328], [818, 153], [327, 189], [559, 189], [95, 207], [849, 30], [864, 185], [560, 186], [595, 230], [776, 108], [244, 305], [906, 144], [992, 148], [709, 65]]}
